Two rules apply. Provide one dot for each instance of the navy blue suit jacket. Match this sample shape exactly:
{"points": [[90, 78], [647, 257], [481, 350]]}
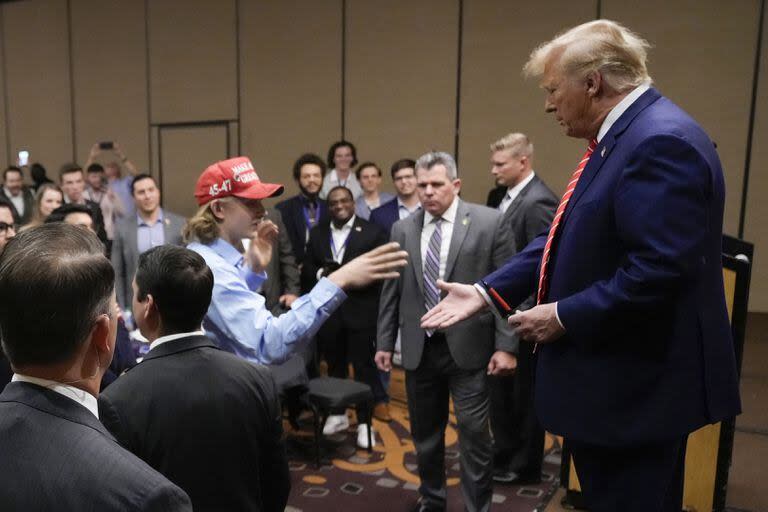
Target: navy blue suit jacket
{"points": [[292, 211], [386, 215], [636, 272]]}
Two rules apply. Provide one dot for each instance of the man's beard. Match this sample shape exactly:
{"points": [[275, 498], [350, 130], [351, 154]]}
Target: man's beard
{"points": [[310, 195]]}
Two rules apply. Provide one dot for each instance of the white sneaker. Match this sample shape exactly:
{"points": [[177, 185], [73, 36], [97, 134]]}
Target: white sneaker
{"points": [[335, 423], [362, 437]]}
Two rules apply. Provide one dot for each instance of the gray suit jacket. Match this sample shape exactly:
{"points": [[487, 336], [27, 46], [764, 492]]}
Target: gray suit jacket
{"points": [[57, 456], [480, 243], [282, 271], [530, 215], [125, 251]]}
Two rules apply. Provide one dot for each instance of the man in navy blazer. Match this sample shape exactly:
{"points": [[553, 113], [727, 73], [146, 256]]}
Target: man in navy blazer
{"points": [[56, 455], [634, 344], [407, 200], [305, 210]]}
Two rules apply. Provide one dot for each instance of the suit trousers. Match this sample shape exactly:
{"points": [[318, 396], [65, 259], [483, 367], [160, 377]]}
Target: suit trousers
{"points": [[518, 438], [642, 478], [341, 345], [428, 388]]}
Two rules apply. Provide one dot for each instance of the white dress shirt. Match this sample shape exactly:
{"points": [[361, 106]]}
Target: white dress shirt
{"points": [[340, 237], [165, 339], [80, 396], [513, 192], [332, 180], [18, 201], [446, 230]]}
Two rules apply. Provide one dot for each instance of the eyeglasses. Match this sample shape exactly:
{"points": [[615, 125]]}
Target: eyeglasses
{"points": [[4, 227]]}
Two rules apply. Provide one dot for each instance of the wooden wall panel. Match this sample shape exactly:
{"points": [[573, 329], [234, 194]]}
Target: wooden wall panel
{"points": [[5, 159], [192, 60], [185, 151], [290, 63], [402, 59], [496, 99], [110, 77], [757, 207], [38, 82], [702, 59]]}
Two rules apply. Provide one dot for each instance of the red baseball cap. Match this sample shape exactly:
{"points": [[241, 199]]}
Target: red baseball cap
{"points": [[233, 177]]}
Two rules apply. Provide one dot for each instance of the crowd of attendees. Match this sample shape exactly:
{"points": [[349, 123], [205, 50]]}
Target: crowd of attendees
{"points": [[339, 214]]}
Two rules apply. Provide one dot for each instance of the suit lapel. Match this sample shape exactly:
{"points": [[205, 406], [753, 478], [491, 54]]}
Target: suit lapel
{"points": [[603, 149], [356, 236], [133, 236], [460, 228], [53, 403], [413, 226]]}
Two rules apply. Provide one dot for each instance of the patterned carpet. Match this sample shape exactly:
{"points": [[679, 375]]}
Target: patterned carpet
{"points": [[386, 480]]}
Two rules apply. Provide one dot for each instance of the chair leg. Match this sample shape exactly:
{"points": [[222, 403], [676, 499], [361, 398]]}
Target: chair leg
{"points": [[316, 418], [370, 427]]}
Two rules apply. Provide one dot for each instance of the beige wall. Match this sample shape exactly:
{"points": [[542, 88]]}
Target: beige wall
{"points": [[292, 77]]}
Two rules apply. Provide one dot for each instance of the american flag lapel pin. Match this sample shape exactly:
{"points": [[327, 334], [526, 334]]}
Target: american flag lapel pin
{"points": [[358, 228]]}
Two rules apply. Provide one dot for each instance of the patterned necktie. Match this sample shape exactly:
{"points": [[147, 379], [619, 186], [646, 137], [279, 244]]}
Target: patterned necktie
{"points": [[432, 269], [559, 215]]}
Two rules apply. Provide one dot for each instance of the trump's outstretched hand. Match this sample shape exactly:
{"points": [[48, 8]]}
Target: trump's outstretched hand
{"points": [[461, 302]]}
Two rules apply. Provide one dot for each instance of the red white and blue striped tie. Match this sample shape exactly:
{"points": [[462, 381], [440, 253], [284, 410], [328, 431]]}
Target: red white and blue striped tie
{"points": [[558, 216]]}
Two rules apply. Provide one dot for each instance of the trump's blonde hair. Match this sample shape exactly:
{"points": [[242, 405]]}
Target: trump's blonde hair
{"points": [[604, 46]]}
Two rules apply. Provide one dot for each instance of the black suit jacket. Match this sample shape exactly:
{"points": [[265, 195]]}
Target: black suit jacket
{"points": [[57, 456], [495, 195], [362, 305], [29, 205], [292, 210], [208, 420]]}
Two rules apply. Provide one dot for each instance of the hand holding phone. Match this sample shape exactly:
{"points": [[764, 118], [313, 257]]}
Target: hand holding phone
{"points": [[106, 145]]}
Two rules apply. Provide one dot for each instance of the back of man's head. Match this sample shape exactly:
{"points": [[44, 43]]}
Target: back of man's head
{"points": [[180, 284], [55, 283]]}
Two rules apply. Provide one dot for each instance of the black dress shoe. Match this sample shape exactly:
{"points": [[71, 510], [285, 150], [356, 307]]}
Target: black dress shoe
{"points": [[513, 478]]}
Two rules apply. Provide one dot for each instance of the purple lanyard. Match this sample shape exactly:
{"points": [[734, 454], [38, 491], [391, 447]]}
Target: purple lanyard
{"points": [[307, 220]]}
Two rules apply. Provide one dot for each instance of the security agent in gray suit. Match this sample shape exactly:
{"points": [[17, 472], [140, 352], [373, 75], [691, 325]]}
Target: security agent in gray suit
{"points": [[56, 455], [528, 207], [149, 227], [447, 239]]}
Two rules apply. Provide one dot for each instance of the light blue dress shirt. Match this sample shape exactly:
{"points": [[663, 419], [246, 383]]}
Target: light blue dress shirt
{"points": [[238, 318], [148, 236]]}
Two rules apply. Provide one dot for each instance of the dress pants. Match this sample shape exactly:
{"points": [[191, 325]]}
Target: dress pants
{"points": [[518, 438], [641, 478], [428, 388], [340, 346]]}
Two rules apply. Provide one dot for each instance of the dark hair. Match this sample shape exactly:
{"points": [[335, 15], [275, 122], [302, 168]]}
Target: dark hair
{"points": [[94, 168], [341, 144], [60, 213], [138, 178], [308, 158], [11, 168], [340, 187], [180, 283], [56, 282], [37, 171], [69, 169], [401, 164], [363, 166]]}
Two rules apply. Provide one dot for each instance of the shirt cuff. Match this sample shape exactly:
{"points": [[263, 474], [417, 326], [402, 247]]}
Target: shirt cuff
{"points": [[485, 296], [254, 280], [326, 292], [558, 317]]}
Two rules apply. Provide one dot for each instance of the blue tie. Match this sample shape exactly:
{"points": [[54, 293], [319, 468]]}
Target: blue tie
{"points": [[432, 269]]}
